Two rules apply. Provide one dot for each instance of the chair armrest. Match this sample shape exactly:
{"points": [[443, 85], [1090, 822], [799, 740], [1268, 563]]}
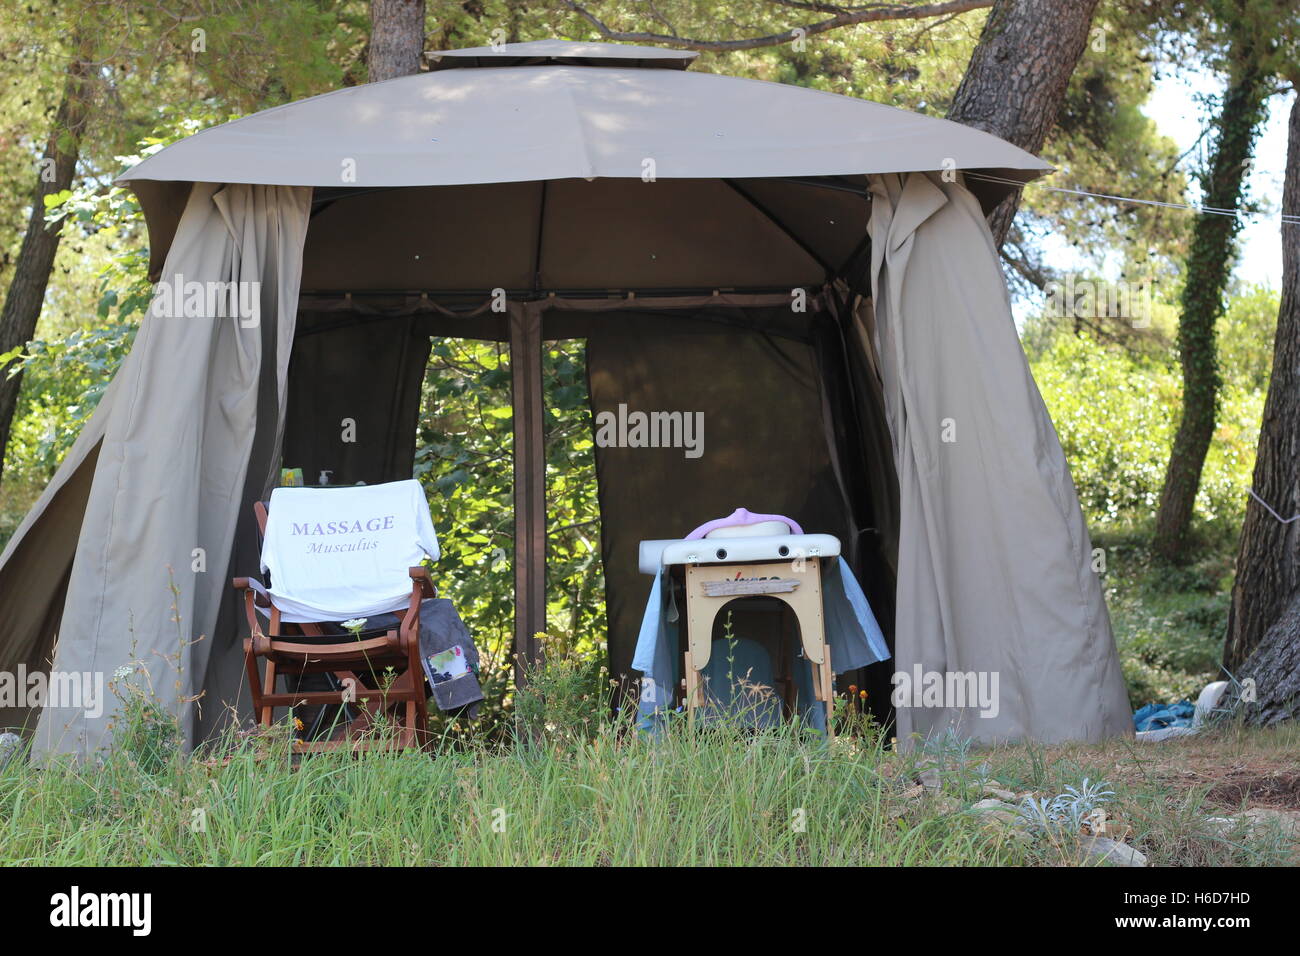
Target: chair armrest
{"points": [[421, 589], [255, 598], [421, 582], [260, 596]]}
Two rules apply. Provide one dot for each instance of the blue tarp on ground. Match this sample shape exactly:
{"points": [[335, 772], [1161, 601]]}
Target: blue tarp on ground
{"points": [[1159, 716]]}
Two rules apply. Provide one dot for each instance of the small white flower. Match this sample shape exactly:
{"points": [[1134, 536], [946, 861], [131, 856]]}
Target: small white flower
{"points": [[356, 624], [123, 672]]}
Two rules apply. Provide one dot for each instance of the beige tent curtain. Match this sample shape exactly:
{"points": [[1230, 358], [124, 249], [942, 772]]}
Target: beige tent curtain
{"points": [[151, 559], [994, 565], [35, 564]]}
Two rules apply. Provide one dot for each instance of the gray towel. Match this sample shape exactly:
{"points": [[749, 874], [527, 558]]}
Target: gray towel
{"points": [[441, 629]]}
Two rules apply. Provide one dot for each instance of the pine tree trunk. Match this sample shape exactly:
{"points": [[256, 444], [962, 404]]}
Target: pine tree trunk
{"points": [[22, 308], [1017, 77], [1268, 557], [1268, 681], [396, 38], [1209, 264]]}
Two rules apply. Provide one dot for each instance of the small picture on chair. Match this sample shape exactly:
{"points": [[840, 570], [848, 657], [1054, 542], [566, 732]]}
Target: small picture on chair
{"points": [[445, 665], [453, 681]]}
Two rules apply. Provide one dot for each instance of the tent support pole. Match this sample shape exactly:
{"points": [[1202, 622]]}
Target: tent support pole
{"points": [[530, 484]]}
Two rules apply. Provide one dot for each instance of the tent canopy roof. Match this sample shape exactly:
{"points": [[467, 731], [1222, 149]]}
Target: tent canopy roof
{"points": [[554, 120], [553, 111]]}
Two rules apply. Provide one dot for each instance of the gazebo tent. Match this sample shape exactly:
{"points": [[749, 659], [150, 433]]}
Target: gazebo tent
{"points": [[812, 272]]}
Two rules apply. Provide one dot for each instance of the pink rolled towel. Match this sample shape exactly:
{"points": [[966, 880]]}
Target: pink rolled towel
{"points": [[737, 518]]}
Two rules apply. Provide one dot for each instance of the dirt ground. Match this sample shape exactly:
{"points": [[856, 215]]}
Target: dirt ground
{"points": [[1235, 768]]}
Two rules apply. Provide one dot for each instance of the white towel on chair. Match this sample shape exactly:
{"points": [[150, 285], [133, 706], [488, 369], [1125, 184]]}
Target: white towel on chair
{"points": [[339, 553]]}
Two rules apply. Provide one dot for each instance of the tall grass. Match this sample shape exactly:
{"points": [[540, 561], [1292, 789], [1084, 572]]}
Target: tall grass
{"points": [[578, 790], [708, 797]]}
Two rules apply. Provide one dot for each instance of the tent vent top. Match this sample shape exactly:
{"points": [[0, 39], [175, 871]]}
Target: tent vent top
{"points": [[565, 52]]}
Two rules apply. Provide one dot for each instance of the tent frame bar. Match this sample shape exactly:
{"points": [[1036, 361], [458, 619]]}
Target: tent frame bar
{"points": [[539, 295], [321, 200], [771, 217]]}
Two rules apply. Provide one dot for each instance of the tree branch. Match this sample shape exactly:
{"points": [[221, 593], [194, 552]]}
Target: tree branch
{"points": [[848, 16]]}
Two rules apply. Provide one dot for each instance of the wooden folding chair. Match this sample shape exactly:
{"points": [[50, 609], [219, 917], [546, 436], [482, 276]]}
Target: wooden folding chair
{"points": [[363, 669]]}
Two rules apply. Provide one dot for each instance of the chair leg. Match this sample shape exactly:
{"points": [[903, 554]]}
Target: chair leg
{"points": [[408, 725], [254, 678], [268, 686], [400, 704]]}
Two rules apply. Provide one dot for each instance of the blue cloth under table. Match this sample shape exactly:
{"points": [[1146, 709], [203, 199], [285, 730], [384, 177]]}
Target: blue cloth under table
{"points": [[1160, 716], [852, 632]]}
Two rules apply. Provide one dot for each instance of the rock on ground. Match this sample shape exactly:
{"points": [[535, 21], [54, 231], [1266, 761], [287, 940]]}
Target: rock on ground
{"points": [[930, 779], [9, 745], [1288, 821], [997, 810], [1103, 850]]}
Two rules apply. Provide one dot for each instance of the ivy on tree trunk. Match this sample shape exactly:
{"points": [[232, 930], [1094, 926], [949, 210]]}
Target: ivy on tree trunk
{"points": [[1209, 264]]}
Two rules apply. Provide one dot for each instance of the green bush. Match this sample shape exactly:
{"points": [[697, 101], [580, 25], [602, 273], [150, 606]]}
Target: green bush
{"points": [[565, 700], [1116, 414], [1168, 621], [142, 730]]}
